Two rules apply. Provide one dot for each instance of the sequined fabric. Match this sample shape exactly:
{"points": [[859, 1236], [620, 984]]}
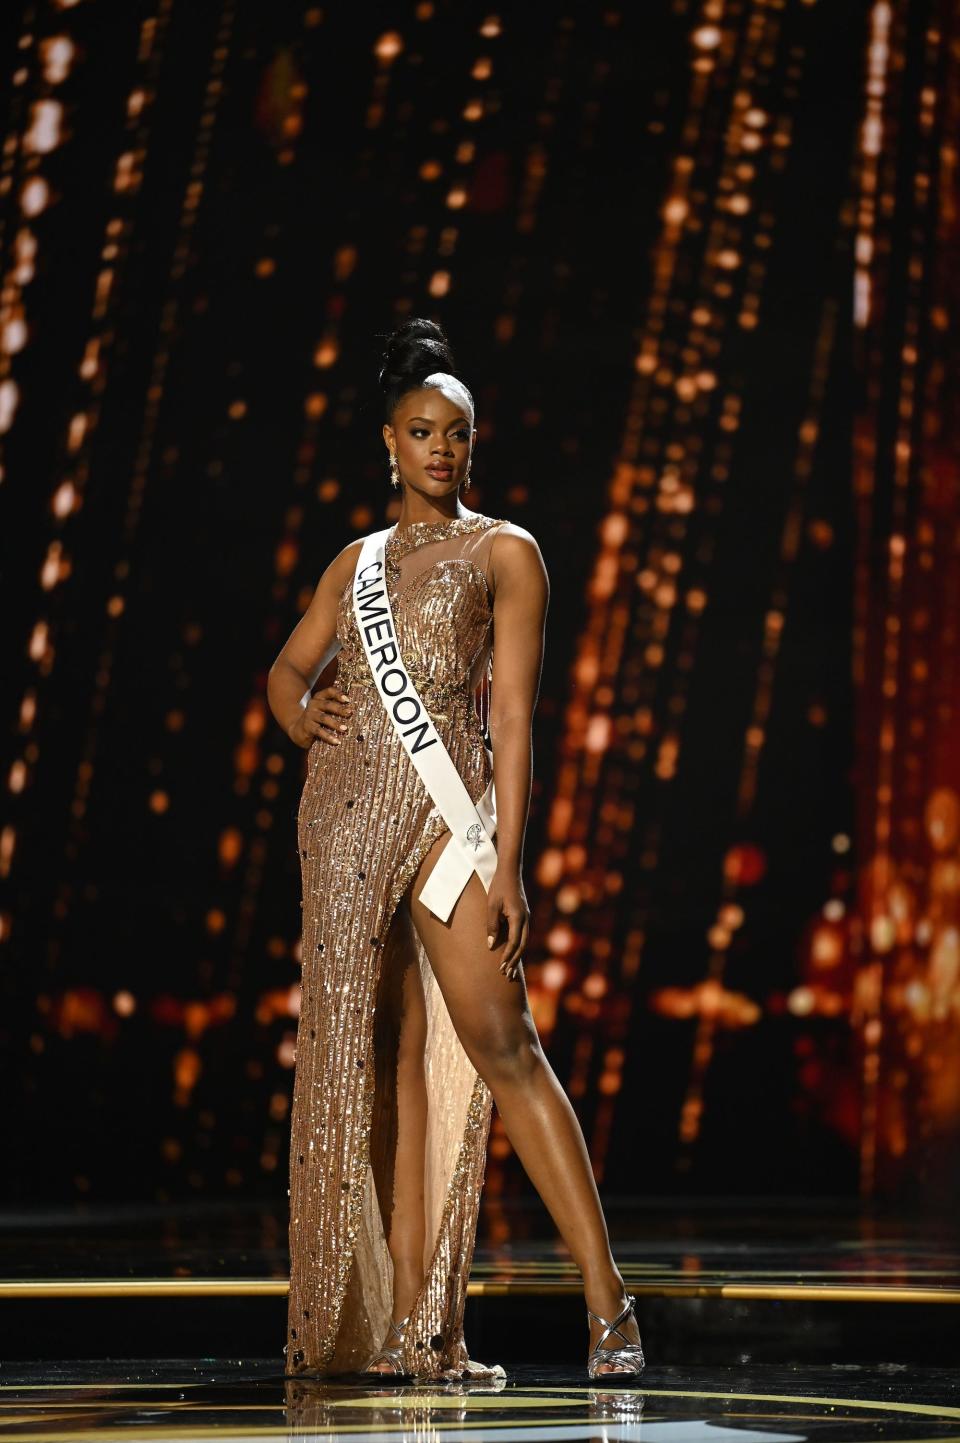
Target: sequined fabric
{"points": [[365, 824]]}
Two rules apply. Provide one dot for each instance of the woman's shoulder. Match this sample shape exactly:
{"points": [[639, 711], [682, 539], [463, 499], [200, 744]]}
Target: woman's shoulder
{"points": [[341, 569], [511, 535], [500, 529], [515, 553]]}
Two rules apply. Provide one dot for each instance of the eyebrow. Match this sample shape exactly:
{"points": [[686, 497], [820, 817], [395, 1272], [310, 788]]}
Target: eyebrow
{"points": [[430, 423]]}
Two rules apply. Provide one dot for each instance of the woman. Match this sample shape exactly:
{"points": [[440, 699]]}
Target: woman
{"points": [[412, 1024]]}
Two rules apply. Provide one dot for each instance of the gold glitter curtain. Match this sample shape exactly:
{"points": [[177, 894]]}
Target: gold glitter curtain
{"points": [[904, 935]]}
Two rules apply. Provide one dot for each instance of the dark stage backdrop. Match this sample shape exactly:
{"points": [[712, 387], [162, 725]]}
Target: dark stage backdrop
{"points": [[698, 262]]}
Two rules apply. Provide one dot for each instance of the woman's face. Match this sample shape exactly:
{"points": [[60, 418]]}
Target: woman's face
{"points": [[433, 436]]}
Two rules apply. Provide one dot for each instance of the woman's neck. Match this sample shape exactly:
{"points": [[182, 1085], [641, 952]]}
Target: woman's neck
{"points": [[414, 515]]}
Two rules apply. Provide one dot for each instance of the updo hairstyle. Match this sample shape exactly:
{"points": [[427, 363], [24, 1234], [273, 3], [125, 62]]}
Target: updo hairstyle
{"points": [[416, 350]]}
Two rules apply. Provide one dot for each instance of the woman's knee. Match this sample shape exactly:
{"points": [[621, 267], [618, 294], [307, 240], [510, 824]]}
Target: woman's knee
{"points": [[506, 1057]]}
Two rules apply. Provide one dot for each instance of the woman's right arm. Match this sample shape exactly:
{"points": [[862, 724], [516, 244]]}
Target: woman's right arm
{"points": [[311, 646]]}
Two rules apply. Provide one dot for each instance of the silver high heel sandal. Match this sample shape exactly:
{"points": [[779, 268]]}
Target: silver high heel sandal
{"points": [[390, 1355], [629, 1359]]}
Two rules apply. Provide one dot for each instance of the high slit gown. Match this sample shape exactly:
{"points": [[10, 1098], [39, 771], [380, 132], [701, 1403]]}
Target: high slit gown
{"points": [[365, 823]]}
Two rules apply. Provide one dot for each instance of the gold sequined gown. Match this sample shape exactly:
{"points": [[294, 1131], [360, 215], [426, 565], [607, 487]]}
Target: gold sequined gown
{"points": [[366, 822]]}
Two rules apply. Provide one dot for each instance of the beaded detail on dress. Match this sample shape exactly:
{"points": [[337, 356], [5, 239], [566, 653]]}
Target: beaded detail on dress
{"points": [[365, 824]]}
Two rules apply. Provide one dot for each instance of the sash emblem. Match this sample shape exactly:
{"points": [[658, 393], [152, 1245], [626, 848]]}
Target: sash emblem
{"points": [[475, 835]]}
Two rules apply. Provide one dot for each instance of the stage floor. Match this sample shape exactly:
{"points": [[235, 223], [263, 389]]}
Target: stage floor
{"points": [[247, 1398], [765, 1321], [732, 1250]]}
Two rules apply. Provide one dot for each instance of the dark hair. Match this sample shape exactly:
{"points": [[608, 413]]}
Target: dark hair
{"points": [[413, 351]]}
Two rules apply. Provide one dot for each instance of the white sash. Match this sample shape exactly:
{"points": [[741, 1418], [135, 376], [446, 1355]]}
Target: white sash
{"points": [[472, 825]]}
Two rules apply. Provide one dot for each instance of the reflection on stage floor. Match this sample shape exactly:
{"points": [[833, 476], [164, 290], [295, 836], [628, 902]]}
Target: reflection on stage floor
{"points": [[248, 1398]]}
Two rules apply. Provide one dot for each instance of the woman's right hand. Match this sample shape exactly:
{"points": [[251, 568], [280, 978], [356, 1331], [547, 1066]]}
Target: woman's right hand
{"points": [[322, 717]]}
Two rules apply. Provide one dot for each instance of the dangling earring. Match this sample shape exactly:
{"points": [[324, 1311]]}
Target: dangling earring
{"points": [[394, 470], [466, 479]]}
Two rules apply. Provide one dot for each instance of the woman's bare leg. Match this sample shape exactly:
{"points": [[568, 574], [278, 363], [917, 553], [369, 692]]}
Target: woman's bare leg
{"points": [[493, 1021], [398, 1140]]}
